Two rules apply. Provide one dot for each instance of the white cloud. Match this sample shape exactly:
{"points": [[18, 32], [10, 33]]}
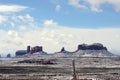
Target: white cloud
{"points": [[2, 19], [55, 38], [14, 38], [12, 24], [12, 33], [10, 42], [17, 22], [12, 8], [26, 18], [76, 3], [22, 27], [95, 5], [58, 8], [21, 22], [49, 23], [70, 38], [115, 3]]}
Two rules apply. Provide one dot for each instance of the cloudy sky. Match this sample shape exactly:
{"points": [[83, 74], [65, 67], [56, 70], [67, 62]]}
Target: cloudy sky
{"points": [[57, 23]]}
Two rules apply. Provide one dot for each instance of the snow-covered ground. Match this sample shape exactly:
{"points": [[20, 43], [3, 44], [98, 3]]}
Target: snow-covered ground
{"points": [[67, 61], [86, 67], [89, 65]]}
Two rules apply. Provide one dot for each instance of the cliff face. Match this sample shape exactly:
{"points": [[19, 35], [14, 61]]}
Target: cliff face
{"points": [[36, 49], [31, 50], [85, 50], [21, 52], [95, 46], [93, 50]]}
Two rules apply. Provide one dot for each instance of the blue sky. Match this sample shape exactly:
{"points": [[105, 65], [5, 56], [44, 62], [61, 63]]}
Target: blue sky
{"points": [[69, 15], [58, 21]]}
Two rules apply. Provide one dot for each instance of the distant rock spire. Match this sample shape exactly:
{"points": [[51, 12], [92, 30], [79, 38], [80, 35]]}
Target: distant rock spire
{"points": [[63, 49], [28, 49]]}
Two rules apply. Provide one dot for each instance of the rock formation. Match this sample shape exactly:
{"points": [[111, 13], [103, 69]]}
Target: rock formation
{"points": [[95, 46], [63, 52], [21, 52], [36, 49], [30, 50], [93, 50], [8, 55]]}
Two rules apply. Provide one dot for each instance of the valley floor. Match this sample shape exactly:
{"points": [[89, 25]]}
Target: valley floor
{"points": [[105, 68]]}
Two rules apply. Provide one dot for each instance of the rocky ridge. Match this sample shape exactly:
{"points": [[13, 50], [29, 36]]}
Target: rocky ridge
{"points": [[83, 50]]}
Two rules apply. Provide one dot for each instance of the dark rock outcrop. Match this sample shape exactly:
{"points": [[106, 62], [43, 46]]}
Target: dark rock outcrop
{"points": [[36, 49], [28, 49], [63, 49], [39, 61], [63, 52], [95, 46], [21, 52], [8, 55], [93, 50]]}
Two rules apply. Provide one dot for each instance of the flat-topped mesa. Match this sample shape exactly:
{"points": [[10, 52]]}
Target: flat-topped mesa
{"points": [[30, 50], [21, 52], [95, 46]]}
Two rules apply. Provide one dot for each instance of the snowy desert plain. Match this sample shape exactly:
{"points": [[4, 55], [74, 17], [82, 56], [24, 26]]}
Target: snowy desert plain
{"points": [[92, 62]]}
